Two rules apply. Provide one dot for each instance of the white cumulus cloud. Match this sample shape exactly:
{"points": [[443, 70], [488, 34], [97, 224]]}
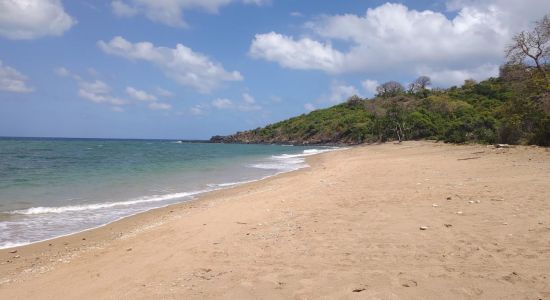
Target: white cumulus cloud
{"points": [[257, 2], [222, 103], [30, 19], [198, 110], [181, 64], [12, 80], [98, 91], [448, 77], [249, 103], [341, 92], [62, 71], [171, 12], [370, 86], [304, 54], [139, 94], [392, 38], [122, 9], [160, 106], [164, 93]]}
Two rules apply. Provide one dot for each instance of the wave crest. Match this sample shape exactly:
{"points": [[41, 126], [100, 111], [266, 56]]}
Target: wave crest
{"points": [[96, 206]]}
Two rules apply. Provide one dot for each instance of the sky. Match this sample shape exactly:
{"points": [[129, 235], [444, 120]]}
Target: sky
{"points": [[190, 69]]}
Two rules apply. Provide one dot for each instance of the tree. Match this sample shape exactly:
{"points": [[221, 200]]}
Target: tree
{"points": [[354, 101], [395, 116], [533, 46], [420, 84], [469, 83], [525, 118], [389, 89]]}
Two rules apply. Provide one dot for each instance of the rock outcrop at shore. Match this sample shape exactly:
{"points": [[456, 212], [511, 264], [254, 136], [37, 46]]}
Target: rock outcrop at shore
{"points": [[251, 137]]}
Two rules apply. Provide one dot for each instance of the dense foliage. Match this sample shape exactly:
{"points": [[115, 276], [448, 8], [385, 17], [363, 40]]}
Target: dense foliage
{"points": [[514, 108]]}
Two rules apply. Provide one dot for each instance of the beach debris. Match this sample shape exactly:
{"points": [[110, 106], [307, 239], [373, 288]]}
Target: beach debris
{"points": [[358, 290], [13, 251], [129, 249], [459, 212], [16, 256], [540, 222], [423, 227], [513, 277], [435, 205], [471, 202], [502, 146], [241, 223], [448, 225], [410, 283], [449, 198], [469, 158]]}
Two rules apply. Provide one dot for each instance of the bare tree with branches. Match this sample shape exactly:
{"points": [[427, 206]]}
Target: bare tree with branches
{"points": [[533, 46], [390, 89], [420, 84]]}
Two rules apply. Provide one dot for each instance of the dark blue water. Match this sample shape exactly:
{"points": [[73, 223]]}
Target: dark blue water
{"points": [[54, 187]]}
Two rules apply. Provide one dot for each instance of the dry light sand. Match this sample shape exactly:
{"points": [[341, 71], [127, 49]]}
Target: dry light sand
{"points": [[348, 227]]}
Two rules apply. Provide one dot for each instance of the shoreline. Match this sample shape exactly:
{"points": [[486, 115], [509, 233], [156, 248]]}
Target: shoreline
{"points": [[413, 220], [66, 245], [190, 196]]}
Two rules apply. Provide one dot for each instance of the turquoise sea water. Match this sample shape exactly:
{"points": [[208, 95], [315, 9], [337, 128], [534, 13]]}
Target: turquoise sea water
{"points": [[54, 187]]}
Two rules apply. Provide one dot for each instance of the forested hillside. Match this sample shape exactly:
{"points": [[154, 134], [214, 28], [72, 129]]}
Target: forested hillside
{"points": [[513, 108]]}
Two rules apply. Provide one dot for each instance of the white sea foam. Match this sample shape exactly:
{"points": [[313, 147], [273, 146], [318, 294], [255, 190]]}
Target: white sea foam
{"points": [[289, 162], [272, 166], [13, 245], [95, 206], [64, 220], [228, 184]]}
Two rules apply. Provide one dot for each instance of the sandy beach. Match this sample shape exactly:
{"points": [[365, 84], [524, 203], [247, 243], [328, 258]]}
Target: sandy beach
{"points": [[417, 220]]}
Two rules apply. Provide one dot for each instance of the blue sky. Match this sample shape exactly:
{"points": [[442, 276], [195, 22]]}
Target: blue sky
{"points": [[196, 68]]}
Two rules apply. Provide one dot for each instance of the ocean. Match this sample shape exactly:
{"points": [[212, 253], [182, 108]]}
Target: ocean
{"points": [[51, 187]]}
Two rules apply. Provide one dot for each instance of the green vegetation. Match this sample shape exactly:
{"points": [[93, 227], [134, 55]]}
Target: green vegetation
{"points": [[513, 108], [492, 111]]}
